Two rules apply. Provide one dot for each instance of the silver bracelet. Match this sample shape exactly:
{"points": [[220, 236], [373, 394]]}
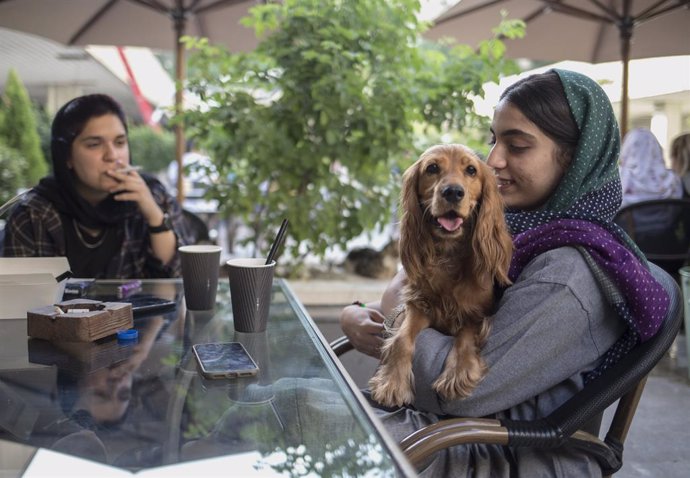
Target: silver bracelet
{"points": [[390, 319]]}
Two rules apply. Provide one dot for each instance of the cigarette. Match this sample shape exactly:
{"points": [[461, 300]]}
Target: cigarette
{"points": [[129, 168]]}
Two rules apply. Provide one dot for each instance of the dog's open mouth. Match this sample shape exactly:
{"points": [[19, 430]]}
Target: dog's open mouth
{"points": [[450, 221]]}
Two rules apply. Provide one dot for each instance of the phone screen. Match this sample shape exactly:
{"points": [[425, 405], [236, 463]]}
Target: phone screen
{"points": [[221, 360]]}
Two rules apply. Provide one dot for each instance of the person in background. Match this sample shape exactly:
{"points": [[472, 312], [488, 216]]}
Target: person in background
{"points": [[555, 145], [644, 175], [680, 160], [109, 220]]}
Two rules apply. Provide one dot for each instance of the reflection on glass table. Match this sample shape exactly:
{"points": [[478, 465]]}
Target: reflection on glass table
{"points": [[143, 407]]}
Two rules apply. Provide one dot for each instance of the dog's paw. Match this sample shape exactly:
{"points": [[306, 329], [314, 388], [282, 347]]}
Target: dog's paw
{"points": [[453, 384], [391, 389]]}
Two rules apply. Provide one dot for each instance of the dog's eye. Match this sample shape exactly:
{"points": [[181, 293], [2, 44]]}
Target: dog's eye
{"points": [[471, 170], [433, 169]]}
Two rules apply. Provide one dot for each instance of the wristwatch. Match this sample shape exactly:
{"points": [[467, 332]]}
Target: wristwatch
{"points": [[166, 225]]}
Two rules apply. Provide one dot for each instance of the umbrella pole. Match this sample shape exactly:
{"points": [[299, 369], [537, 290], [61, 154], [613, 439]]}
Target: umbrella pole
{"points": [[624, 99], [179, 127], [626, 32]]}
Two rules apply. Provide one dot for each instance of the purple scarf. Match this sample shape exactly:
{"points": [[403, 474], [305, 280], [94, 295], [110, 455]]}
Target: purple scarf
{"points": [[645, 298]]}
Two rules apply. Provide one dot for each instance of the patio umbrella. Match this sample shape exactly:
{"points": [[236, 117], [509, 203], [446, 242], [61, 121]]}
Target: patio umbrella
{"points": [[593, 31], [148, 23]]}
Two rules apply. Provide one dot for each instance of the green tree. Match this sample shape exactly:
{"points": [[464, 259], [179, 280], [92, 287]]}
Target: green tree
{"points": [[43, 125], [19, 129], [153, 150], [316, 124], [11, 166]]}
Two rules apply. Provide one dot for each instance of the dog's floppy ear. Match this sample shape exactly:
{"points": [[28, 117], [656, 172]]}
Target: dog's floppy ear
{"points": [[491, 242], [412, 247]]}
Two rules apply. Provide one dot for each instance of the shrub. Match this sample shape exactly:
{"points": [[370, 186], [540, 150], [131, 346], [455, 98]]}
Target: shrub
{"points": [[43, 125], [150, 149], [11, 166], [19, 129]]}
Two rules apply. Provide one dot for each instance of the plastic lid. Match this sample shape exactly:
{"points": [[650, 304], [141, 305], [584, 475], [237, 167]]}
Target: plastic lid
{"points": [[127, 335]]}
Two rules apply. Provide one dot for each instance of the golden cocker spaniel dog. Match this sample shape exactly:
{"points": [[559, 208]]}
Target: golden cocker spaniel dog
{"points": [[454, 247]]}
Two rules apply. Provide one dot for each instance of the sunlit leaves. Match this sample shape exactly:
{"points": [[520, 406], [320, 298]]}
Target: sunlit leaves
{"points": [[318, 122]]}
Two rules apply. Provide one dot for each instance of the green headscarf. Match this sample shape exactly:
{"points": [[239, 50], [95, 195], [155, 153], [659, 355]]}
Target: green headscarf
{"points": [[596, 157], [579, 214], [590, 188]]}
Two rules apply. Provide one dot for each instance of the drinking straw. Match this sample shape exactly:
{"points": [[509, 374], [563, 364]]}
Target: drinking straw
{"points": [[277, 241]]}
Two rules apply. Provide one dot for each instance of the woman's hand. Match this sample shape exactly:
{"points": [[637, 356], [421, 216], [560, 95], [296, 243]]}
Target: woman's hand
{"points": [[132, 187], [363, 326]]}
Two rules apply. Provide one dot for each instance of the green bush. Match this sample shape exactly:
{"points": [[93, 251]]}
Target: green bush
{"points": [[19, 129], [11, 166], [150, 149], [43, 124]]}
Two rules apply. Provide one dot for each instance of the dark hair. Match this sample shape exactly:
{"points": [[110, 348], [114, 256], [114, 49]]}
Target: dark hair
{"points": [[68, 395], [541, 98], [70, 121], [680, 154]]}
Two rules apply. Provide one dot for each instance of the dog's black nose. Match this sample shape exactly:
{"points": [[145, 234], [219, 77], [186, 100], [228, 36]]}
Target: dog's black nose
{"points": [[453, 194]]}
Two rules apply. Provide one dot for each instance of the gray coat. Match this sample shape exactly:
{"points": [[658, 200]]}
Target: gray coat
{"points": [[552, 326]]}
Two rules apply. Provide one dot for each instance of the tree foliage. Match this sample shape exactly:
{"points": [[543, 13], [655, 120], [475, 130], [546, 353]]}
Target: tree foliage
{"points": [[11, 166], [44, 122], [151, 149], [19, 129], [318, 122]]}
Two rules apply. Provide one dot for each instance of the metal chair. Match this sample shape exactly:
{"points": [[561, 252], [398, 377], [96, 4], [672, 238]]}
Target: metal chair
{"points": [[623, 381], [661, 229]]}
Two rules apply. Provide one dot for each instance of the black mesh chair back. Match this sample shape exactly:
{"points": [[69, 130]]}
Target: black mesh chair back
{"points": [[661, 229], [197, 227]]}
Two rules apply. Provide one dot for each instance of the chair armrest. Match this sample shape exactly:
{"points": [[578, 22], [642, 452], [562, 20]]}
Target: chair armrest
{"points": [[609, 455], [423, 443], [450, 432]]}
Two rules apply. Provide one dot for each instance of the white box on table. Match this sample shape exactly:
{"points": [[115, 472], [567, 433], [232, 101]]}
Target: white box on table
{"points": [[30, 282]]}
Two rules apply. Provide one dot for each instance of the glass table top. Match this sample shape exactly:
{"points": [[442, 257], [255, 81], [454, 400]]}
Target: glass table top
{"points": [[144, 408]]}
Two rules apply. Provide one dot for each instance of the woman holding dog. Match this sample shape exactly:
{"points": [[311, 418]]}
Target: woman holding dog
{"points": [[555, 146]]}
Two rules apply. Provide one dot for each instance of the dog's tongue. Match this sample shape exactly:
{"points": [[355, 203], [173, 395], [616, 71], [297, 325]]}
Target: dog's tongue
{"points": [[450, 224]]}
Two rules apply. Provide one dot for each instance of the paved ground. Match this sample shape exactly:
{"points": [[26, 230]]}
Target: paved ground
{"points": [[659, 438]]}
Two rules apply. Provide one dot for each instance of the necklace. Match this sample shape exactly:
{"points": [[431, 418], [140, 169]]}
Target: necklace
{"points": [[88, 245]]}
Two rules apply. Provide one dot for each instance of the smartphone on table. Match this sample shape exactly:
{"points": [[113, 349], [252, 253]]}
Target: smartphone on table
{"points": [[142, 304], [224, 360]]}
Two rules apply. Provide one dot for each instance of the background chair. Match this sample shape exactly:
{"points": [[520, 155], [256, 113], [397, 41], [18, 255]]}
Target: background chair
{"points": [[197, 226], [623, 381], [661, 229], [5, 212]]}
